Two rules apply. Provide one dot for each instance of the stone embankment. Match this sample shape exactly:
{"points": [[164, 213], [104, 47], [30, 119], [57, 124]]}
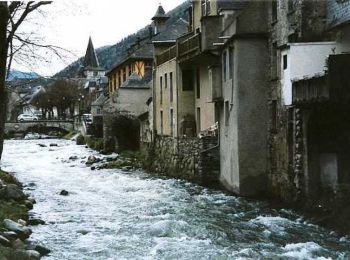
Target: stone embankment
{"points": [[14, 220]]}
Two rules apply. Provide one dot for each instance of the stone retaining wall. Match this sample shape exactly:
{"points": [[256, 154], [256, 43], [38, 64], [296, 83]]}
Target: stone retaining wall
{"points": [[188, 158]]}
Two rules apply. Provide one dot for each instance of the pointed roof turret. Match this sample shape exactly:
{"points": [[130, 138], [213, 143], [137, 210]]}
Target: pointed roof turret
{"points": [[160, 14], [90, 59]]}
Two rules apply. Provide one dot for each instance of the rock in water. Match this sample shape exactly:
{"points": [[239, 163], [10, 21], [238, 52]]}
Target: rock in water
{"points": [[22, 231], [41, 249], [36, 222], [64, 193], [42, 145], [52, 145], [12, 192], [4, 241]]}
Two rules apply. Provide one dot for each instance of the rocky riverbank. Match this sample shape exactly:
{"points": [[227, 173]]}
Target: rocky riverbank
{"points": [[14, 220]]}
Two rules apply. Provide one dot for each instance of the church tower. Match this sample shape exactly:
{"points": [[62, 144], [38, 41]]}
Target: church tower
{"points": [[90, 67], [159, 20]]}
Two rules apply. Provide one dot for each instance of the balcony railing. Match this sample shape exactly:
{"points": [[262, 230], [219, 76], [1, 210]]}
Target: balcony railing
{"points": [[189, 45], [167, 55], [310, 90]]}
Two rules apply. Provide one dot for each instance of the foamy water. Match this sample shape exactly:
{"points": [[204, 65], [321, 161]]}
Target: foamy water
{"points": [[114, 215]]}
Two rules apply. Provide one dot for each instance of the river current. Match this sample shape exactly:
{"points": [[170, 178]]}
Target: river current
{"points": [[110, 214]]}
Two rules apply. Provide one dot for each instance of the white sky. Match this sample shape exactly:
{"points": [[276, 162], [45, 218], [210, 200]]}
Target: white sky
{"points": [[69, 24]]}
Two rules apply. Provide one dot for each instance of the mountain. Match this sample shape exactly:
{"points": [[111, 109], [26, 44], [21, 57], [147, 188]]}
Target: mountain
{"points": [[113, 54], [16, 74]]}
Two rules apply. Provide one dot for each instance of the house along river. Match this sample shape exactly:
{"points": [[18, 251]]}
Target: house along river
{"points": [[110, 214]]}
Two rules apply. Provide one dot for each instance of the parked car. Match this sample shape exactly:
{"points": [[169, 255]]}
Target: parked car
{"points": [[27, 117]]}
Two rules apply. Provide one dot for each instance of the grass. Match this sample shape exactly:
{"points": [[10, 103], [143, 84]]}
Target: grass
{"points": [[94, 143], [9, 209]]}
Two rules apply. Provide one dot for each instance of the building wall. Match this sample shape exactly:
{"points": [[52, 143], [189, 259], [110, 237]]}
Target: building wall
{"points": [[243, 126], [132, 100], [163, 104], [207, 108]]}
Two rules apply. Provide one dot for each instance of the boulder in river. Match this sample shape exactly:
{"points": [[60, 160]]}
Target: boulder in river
{"points": [[53, 145], [41, 249], [18, 244], [42, 145], [36, 221], [4, 241], [92, 159], [22, 231], [28, 204], [64, 193], [9, 235], [12, 192]]}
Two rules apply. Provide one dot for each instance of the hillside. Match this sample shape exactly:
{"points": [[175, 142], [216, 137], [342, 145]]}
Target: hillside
{"points": [[110, 55], [16, 74]]}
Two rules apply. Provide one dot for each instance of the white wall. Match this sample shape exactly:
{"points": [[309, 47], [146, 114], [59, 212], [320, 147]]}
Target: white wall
{"points": [[306, 60]]}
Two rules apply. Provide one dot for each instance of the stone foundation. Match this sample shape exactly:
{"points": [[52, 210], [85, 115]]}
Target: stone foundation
{"points": [[195, 159]]}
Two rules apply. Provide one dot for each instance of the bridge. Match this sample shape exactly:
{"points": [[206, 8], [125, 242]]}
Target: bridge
{"points": [[41, 126]]}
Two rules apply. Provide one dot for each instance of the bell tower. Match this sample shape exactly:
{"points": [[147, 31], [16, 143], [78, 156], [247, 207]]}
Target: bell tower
{"points": [[159, 20]]}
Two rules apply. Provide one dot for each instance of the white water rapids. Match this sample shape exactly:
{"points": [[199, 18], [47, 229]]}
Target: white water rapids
{"points": [[110, 214]]}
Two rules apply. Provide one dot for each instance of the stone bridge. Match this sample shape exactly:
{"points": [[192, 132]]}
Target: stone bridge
{"points": [[41, 126]]}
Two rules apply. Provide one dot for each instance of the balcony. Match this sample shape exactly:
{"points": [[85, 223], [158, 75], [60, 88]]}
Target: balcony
{"points": [[332, 87], [210, 32], [165, 56], [189, 47], [307, 91]]}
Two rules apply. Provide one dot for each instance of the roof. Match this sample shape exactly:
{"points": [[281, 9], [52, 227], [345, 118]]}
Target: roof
{"points": [[160, 14], [100, 100], [136, 82], [90, 59]]}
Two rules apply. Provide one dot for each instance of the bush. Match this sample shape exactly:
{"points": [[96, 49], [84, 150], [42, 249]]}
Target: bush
{"points": [[80, 140], [95, 143]]}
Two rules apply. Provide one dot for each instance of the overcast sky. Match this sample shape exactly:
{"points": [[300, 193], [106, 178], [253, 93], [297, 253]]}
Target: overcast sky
{"points": [[69, 24]]}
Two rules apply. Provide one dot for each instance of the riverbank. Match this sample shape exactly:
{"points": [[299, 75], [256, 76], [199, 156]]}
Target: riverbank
{"points": [[14, 219]]}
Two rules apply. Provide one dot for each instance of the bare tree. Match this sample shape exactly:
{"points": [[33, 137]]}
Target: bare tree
{"points": [[12, 16]]}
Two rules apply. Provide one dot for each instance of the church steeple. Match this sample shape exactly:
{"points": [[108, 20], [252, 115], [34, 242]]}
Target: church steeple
{"points": [[159, 19], [90, 59]]}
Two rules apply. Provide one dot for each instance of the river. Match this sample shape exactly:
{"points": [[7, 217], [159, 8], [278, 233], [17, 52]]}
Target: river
{"points": [[110, 214]]}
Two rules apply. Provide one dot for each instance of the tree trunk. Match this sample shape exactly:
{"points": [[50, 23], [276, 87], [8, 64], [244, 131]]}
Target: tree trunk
{"points": [[3, 58]]}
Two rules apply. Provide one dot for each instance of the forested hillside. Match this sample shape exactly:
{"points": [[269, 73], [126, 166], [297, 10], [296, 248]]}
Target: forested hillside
{"points": [[110, 55]]}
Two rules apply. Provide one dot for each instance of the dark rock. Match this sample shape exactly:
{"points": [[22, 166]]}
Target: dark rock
{"points": [[64, 193], [80, 140], [93, 168], [73, 158], [36, 222], [12, 192], [92, 159], [42, 145], [28, 204], [41, 249], [18, 244], [4, 241], [22, 231], [83, 232], [32, 200], [9, 235], [52, 145]]}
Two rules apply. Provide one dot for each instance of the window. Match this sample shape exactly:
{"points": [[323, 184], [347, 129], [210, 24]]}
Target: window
{"points": [[161, 89], [274, 7], [227, 113], [161, 122], [285, 62], [205, 4], [124, 74], [166, 80], [171, 86], [187, 80], [119, 79], [224, 69], [171, 122], [198, 84], [198, 120], [230, 62], [129, 70]]}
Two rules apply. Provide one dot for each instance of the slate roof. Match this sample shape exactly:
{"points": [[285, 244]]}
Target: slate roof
{"points": [[135, 81], [100, 100], [90, 59], [160, 13]]}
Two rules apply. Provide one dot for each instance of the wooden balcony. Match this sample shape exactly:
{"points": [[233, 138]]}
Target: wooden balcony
{"points": [[334, 86], [189, 47], [309, 91], [165, 56]]}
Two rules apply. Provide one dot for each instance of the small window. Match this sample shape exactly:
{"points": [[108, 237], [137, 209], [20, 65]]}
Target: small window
{"points": [[227, 113], [171, 86], [230, 62], [198, 84], [187, 80], [285, 62], [161, 122], [198, 120], [124, 74], [171, 122], [166, 80], [161, 89], [274, 7], [224, 70]]}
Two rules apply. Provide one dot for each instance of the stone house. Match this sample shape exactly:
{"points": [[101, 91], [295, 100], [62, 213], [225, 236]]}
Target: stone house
{"points": [[241, 97], [308, 129]]}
